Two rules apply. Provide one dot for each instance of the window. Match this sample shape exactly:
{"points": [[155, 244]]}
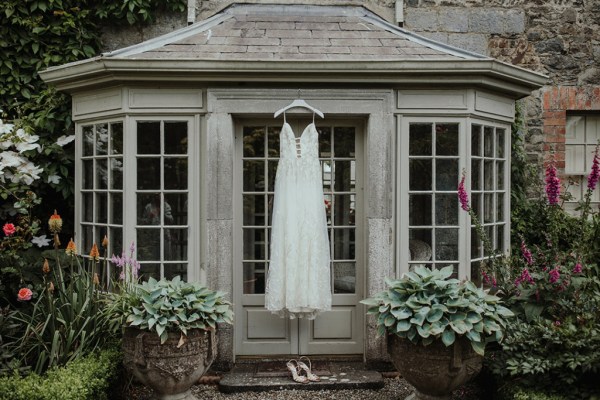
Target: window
{"points": [[433, 230], [582, 136], [102, 186]]}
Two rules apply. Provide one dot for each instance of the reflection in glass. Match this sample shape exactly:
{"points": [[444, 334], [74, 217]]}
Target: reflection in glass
{"points": [[148, 244], [499, 237], [88, 141], [488, 175], [475, 273], [148, 209], [87, 237], [254, 141], [101, 139], [419, 209], [344, 246], [488, 141], [500, 206], [446, 244], [326, 171], [476, 140], [173, 270], [489, 231], [500, 174], [344, 176], [176, 140], [148, 137], [148, 173], [148, 271], [446, 143], [270, 199], [344, 209], [419, 140], [500, 143], [476, 204], [175, 244], [476, 244], [343, 141], [101, 208], [488, 207], [116, 208], [475, 174], [446, 174], [176, 173], [254, 210], [272, 173], [254, 176], [254, 278], [421, 235], [87, 211], [116, 138], [420, 172], [446, 209], [324, 141], [115, 239], [116, 168], [88, 174], [344, 277], [273, 138], [178, 202], [101, 174], [254, 244]]}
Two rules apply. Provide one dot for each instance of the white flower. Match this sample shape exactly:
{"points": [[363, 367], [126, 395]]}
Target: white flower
{"points": [[63, 140], [11, 159], [54, 179], [26, 146], [40, 241]]}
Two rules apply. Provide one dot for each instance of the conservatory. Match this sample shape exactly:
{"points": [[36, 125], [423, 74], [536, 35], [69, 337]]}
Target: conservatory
{"points": [[177, 150]]}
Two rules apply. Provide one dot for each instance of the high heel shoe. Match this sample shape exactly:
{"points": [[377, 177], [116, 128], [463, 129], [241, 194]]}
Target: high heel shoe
{"points": [[293, 368], [308, 369]]}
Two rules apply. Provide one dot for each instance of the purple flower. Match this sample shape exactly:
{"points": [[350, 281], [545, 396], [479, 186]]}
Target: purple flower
{"points": [[595, 173], [552, 184], [557, 323], [463, 197], [578, 268], [526, 253], [127, 263], [554, 275], [525, 277]]}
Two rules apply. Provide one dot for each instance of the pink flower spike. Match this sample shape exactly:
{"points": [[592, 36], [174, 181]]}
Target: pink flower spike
{"points": [[578, 268], [554, 275], [9, 229], [595, 173], [526, 253], [552, 183], [463, 197]]}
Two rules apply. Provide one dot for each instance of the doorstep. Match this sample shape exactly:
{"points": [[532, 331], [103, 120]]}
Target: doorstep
{"points": [[260, 376]]}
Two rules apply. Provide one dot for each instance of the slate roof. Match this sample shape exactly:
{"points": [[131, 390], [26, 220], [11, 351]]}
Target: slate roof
{"points": [[293, 32]]}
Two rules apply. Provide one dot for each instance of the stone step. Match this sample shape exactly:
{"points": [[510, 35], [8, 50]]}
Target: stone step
{"points": [[273, 375]]}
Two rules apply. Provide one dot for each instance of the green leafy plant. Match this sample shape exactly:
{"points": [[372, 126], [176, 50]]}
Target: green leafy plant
{"points": [[426, 305], [176, 306]]}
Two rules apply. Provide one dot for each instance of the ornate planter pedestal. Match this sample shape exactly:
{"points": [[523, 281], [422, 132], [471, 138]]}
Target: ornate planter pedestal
{"points": [[434, 370], [168, 370]]}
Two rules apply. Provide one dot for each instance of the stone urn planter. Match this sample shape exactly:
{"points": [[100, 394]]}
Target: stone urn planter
{"points": [[434, 370], [166, 368]]}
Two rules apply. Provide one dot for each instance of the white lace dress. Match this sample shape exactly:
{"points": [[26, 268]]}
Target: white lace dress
{"points": [[298, 281]]}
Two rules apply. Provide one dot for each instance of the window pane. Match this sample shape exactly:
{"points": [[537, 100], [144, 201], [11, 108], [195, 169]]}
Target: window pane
{"points": [[446, 244], [176, 173], [476, 204], [101, 208], [344, 246], [87, 144], [344, 209], [489, 231], [148, 173], [344, 176], [272, 173], [254, 278], [178, 204], [446, 209], [148, 137], [176, 140], [419, 140], [116, 167], [148, 271], [446, 143], [273, 137], [88, 174], [148, 208], [476, 140], [488, 141], [344, 277], [254, 141], [254, 210], [101, 139], [419, 209], [446, 174], [475, 174], [420, 250], [115, 240], [476, 244], [87, 238], [488, 175], [500, 175], [101, 174], [327, 175], [324, 141], [87, 200], [173, 270], [254, 176], [148, 244], [116, 138], [254, 244], [500, 145], [270, 199], [488, 207], [343, 140], [420, 172], [475, 273], [175, 244], [500, 206], [500, 237], [116, 207]]}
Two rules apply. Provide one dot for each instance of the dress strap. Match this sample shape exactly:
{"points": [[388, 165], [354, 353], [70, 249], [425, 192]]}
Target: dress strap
{"points": [[313, 117], [284, 121]]}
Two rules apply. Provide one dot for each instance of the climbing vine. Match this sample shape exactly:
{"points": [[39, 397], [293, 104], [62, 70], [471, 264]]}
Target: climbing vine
{"points": [[38, 34]]}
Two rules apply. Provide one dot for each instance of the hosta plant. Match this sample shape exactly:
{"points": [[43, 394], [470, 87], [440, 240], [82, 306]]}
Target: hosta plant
{"points": [[427, 305], [176, 306]]}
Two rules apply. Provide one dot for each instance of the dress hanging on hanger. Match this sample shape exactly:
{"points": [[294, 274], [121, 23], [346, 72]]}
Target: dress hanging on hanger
{"points": [[298, 280]]}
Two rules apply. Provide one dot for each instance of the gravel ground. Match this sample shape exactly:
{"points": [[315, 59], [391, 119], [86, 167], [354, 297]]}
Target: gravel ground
{"points": [[394, 389]]}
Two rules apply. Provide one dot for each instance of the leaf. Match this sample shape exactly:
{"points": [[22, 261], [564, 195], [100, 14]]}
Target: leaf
{"points": [[435, 314], [389, 321], [403, 326], [401, 314], [424, 331], [448, 337], [446, 272], [479, 347]]}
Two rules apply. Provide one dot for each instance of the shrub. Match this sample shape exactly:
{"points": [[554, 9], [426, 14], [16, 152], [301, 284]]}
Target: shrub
{"points": [[521, 393], [89, 377]]}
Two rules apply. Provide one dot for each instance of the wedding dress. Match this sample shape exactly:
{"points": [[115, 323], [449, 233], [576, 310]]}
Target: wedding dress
{"points": [[298, 281]]}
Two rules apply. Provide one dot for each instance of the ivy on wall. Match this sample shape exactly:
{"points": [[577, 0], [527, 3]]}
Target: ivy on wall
{"points": [[37, 34]]}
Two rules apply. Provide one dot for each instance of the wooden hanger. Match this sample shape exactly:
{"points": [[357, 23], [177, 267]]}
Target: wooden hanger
{"points": [[299, 103]]}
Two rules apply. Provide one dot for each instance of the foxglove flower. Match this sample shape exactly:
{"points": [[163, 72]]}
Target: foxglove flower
{"points": [[463, 197], [578, 268], [554, 275], [595, 173], [552, 184], [526, 253]]}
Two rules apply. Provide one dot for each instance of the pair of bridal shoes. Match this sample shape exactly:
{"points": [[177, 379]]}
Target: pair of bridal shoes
{"points": [[301, 372]]}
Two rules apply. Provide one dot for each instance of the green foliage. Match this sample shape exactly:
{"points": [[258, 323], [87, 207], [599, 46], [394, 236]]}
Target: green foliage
{"points": [[523, 393], [425, 305], [174, 305], [8, 331], [87, 378]]}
